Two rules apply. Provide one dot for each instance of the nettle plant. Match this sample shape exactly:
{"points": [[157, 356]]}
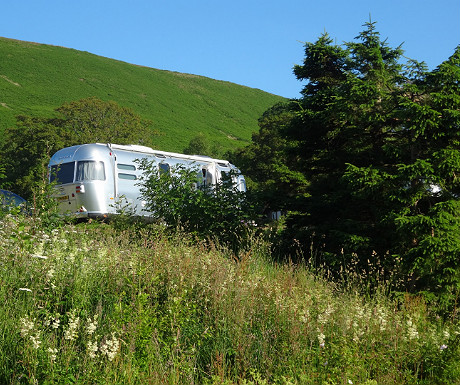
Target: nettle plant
{"points": [[180, 200]]}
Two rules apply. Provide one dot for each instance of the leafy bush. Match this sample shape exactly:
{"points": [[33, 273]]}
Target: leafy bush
{"points": [[219, 212]]}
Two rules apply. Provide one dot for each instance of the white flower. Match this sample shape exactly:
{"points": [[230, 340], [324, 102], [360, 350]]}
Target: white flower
{"points": [[27, 326], [443, 347], [110, 348], [305, 317], [323, 317], [36, 340], [71, 332], [55, 323], [92, 325], [50, 273], [53, 354], [350, 382], [412, 330], [321, 338], [92, 349]]}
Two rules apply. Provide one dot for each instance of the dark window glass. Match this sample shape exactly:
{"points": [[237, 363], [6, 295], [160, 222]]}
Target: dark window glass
{"points": [[127, 176], [62, 173], [128, 167], [164, 168]]}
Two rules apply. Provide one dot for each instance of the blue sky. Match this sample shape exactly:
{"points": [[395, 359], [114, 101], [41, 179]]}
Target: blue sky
{"points": [[248, 42]]}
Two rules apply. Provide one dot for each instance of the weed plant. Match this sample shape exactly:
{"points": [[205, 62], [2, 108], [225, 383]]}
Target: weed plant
{"points": [[91, 304]]}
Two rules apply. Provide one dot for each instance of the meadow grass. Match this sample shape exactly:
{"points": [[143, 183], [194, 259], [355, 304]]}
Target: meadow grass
{"points": [[93, 304]]}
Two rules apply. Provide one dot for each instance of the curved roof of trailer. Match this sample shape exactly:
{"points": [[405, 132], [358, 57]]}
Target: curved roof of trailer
{"points": [[101, 150], [81, 151], [151, 151]]}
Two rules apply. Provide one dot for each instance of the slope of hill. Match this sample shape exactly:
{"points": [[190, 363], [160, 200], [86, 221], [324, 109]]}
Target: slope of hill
{"points": [[37, 78]]}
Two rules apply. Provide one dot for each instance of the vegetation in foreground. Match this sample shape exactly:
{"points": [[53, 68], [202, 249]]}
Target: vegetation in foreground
{"points": [[103, 304]]}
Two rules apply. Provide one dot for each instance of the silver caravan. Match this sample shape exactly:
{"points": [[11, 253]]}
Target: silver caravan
{"points": [[92, 179]]}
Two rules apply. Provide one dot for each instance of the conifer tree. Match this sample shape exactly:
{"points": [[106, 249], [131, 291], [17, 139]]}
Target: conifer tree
{"points": [[378, 144]]}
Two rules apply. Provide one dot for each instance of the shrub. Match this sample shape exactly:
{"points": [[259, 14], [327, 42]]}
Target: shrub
{"points": [[219, 212]]}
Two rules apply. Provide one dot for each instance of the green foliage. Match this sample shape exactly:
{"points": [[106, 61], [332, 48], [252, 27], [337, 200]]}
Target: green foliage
{"points": [[88, 304], [92, 120], [268, 163], [201, 145], [26, 152], [2, 174], [376, 145], [179, 198], [36, 78]]}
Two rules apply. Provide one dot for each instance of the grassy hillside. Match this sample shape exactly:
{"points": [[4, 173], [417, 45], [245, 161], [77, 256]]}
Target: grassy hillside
{"points": [[36, 78]]}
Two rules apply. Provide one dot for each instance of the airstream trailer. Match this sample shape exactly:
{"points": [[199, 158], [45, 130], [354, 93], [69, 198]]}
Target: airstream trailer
{"points": [[92, 179]]}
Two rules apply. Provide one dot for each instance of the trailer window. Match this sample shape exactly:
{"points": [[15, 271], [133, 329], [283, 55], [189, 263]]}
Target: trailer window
{"points": [[128, 167], [164, 168], [62, 173], [127, 176], [90, 170]]}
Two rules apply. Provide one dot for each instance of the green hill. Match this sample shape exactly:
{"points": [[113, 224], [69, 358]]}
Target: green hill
{"points": [[37, 78]]}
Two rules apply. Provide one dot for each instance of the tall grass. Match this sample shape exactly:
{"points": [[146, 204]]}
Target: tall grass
{"points": [[90, 304]]}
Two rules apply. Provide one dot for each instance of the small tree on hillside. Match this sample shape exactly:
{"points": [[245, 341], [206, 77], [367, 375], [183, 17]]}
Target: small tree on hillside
{"points": [[93, 120], [201, 145]]}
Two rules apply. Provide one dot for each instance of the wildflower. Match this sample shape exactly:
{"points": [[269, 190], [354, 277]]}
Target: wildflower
{"points": [[92, 325], [350, 382], [50, 273], [53, 354], [71, 332], [305, 317], [381, 318], [443, 347], [110, 348], [92, 349], [55, 323], [323, 317], [321, 339], [25, 289], [411, 331], [27, 326], [36, 340]]}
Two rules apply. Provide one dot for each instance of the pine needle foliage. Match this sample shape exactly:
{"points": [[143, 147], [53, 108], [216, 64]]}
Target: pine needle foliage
{"points": [[377, 143]]}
